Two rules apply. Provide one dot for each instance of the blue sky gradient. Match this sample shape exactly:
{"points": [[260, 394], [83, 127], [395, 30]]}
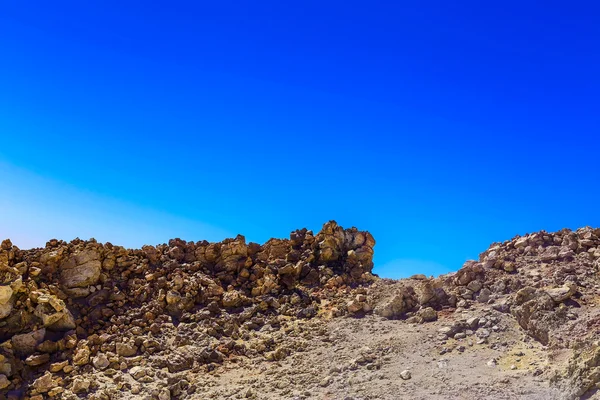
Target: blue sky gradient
{"points": [[439, 126]]}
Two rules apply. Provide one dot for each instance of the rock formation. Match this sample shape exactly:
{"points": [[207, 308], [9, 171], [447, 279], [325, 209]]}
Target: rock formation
{"points": [[73, 306], [84, 319]]}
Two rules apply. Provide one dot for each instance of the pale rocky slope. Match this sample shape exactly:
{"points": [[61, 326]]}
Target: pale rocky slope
{"points": [[299, 318]]}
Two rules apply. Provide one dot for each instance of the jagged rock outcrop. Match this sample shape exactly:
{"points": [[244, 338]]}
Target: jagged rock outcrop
{"points": [[73, 306]]}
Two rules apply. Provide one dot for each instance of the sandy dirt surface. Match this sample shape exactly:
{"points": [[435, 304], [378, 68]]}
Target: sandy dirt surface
{"points": [[364, 358]]}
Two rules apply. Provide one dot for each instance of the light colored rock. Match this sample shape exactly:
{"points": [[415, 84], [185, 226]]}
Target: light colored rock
{"points": [[563, 293], [446, 330], [473, 322], [137, 372], [56, 367], [47, 314], [521, 242], [428, 314], [6, 309], [232, 299], [483, 333], [44, 383], [100, 361], [173, 297], [484, 295], [81, 270], [126, 349], [81, 356], [56, 391], [164, 394], [474, 286], [354, 306], [65, 323], [6, 293], [405, 375], [395, 306], [326, 381], [80, 385], [37, 359]]}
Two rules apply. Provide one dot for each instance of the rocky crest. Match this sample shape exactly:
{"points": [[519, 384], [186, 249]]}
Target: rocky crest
{"points": [[71, 307], [83, 319]]}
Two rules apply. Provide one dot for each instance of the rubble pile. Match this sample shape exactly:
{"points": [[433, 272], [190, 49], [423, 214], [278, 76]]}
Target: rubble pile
{"points": [[90, 320], [71, 308]]}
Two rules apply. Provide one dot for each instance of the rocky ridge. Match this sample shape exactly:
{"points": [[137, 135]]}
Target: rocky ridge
{"points": [[90, 320]]}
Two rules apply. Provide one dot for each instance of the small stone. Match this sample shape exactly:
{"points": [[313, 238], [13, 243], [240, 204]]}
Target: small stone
{"points": [[173, 297], [27, 342], [37, 359], [474, 286], [460, 335], [428, 314], [56, 367], [492, 363], [44, 383], [326, 381], [563, 293], [446, 330], [56, 391], [137, 372], [354, 306], [5, 294], [473, 322], [405, 375], [483, 333], [164, 394], [82, 356], [80, 385], [4, 382], [126, 349], [484, 295], [101, 361]]}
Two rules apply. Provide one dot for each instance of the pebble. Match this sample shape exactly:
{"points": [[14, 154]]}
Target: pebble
{"points": [[405, 375]]}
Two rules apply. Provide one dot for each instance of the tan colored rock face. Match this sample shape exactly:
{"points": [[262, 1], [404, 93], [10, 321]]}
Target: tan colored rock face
{"points": [[5, 294], [82, 270], [563, 293], [5, 310]]}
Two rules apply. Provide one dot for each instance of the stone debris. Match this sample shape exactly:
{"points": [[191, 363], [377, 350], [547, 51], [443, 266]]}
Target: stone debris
{"points": [[84, 319], [405, 375]]}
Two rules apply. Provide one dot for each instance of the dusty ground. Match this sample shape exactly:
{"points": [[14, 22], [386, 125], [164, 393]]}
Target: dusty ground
{"points": [[363, 358]]}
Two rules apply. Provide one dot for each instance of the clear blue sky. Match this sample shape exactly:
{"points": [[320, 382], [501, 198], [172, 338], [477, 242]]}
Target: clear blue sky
{"points": [[439, 126]]}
